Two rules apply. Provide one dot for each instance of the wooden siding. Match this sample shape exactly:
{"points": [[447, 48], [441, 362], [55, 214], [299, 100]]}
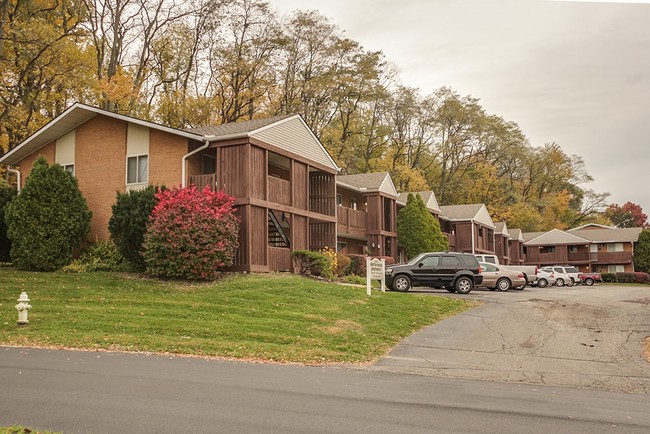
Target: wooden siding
{"points": [[463, 232], [279, 191], [258, 240], [279, 259], [322, 235], [201, 181], [351, 221], [258, 169], [300, 233], [300, 185], [375, 212], [231, 170], [322, 193], [611, 257], [241, 256]]}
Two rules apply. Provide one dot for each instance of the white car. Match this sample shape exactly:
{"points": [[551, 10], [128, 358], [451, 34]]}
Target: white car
{"points": [[545, 278], [561, 278], [572, 273]]}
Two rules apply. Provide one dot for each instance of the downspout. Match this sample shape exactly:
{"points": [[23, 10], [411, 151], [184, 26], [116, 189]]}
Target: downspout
{"points": [[17, 172], [473, 250], [184, 161]]}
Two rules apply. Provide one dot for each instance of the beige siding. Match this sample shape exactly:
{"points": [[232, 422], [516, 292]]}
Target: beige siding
{"points": [[293, 136]]}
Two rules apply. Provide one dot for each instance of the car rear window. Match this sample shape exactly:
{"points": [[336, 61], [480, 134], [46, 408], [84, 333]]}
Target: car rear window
{"points": [[571, 270], [449, 261], [469, 261]]}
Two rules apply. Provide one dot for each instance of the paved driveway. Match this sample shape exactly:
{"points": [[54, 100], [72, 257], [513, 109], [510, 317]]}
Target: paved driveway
{"points": [[578, 337]]}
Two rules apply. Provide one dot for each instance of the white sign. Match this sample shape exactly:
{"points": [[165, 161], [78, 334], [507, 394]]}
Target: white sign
{"points": [[375, 269]]}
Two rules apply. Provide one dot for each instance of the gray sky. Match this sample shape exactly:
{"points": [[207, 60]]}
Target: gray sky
{"points": [[572, 72]]}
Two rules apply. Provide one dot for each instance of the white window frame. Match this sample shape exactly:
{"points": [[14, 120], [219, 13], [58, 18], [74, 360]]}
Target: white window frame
{"points": [[616, 268], [615, 247], [69, 168], [138, 179]]}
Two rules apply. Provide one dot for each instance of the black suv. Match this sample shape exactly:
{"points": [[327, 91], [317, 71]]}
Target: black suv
{"points": [[457, 272]]}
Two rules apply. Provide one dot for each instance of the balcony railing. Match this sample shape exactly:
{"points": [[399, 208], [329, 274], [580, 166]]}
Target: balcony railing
{"points": [[201, 181], [279, 191], [611, 258], [351, 219], [451, 238], [578, 257]]}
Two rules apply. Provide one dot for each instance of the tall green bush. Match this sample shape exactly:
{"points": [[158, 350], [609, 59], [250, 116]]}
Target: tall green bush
{"points": [[47, 219], [418, 230], [192, 234], [642, 252], [128, 223], [6, 195]]}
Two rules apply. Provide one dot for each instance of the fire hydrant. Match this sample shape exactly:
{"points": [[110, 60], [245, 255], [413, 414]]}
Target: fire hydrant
{"points": [[23, 306]]}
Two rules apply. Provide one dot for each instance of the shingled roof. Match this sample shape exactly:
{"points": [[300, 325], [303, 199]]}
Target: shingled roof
{"points": [[555, 237], [473, 211], [368, 182], [217, 131], [429, 198]]}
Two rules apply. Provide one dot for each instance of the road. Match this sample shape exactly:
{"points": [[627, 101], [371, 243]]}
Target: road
{"points": [[101, 392], [582, 336]]}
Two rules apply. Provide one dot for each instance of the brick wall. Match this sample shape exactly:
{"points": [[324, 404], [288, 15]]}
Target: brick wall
{"points": [[27, 164], [165, 158]]}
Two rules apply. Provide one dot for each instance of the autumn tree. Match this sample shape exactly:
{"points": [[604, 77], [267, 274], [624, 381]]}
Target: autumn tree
{"points": [[629, 215], [418, 230]]}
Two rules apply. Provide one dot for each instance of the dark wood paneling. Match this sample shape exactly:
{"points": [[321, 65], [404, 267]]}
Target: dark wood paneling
{"points": [[300, 233], [258, 234], [322, 193], [279, 259], [241, 256], [322, 235], [463, 236], [300, 185], [279, 191], [231, 170], [375, 212], [258, 173]]}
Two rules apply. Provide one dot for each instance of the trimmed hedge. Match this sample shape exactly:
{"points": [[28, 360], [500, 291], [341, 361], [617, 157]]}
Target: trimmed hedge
{"points": [[308, 262], [608, 277], [633, 278]]}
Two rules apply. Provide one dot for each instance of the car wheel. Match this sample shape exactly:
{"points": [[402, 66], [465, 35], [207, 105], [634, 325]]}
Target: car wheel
{"points": [[402, 283], [570, 283], [452, 290], [520, 287], [542, 283], [463, 285], [559, 282], [589, 281], [503, 284]]}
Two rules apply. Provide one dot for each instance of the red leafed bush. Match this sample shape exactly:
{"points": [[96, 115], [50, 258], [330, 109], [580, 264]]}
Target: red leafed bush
{"points": [[191, 234], [358, 263]]}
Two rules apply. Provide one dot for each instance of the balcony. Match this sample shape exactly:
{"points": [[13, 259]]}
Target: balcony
{"points": [[351, 221], [201, 181], [279, 191], [611, 258], [581, 257]]}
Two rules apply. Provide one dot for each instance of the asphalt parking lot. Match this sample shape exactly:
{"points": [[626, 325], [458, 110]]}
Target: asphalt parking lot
{"points": [[592, 337]]}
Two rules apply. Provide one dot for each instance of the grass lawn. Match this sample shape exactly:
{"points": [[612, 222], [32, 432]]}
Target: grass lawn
{"points": [[21, 430], [283, 318]]}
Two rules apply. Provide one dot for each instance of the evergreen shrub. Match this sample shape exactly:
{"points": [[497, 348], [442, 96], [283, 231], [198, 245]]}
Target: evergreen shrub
{"points": [[47, 220], [6, 195]]}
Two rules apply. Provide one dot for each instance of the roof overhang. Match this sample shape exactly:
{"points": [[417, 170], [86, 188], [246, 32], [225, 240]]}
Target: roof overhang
{"points": [[71, 118]]}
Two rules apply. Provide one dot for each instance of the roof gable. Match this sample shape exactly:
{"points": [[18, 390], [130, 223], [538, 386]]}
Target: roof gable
{"points": [[515, 234], [554, 237], [429, 198], [476, 212], [70, 119], [610, 235], [501, 228], [591, 226], [368, 182]]}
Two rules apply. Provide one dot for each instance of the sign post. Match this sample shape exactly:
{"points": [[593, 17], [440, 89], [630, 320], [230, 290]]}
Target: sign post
{"points": [[375, 269]]}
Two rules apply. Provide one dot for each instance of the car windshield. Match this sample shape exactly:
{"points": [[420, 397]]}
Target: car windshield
{"points": [[416, 259]]}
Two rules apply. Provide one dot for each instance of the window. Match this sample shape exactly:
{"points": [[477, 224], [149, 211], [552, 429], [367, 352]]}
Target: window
{"points": [[339, 200], [353, 203], [615, 247], [69, 168], [489, 267], [341, 247], [137, 169], [547, 249], [573, 249], [449, 261], [209, 164], [430, 261], [615, 268]]}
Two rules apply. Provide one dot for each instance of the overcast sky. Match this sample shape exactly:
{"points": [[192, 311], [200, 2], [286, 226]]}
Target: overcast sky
{"points": [[572, 72]]}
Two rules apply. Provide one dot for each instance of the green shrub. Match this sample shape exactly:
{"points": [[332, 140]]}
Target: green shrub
{"points": [[101, 256], [47, 220], [128, 223], [6, 195], [192, 234], [608, 277], [309, 262]]}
